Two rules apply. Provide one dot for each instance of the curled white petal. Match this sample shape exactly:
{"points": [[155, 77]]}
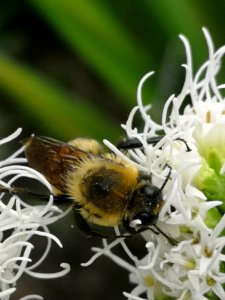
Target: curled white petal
{"points": [[20, 221]]}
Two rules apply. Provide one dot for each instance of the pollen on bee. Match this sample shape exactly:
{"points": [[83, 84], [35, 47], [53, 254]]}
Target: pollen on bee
{"points": [[87, 144]]}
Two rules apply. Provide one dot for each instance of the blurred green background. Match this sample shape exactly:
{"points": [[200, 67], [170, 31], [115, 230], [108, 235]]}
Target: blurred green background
{"points": [[71, 68]]}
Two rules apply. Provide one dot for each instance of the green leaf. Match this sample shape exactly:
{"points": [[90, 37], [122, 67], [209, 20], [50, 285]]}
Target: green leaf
{"points": [[177, 17], [90, 28], [50, 105]]}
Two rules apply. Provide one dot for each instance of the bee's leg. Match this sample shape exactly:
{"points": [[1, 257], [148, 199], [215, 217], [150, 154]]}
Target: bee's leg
{"points": [[133, 143], [134, 231], [82, 224], [159, 231], [167, 177], [21, 191], [148, 177], [170, 239], [128, 228]]}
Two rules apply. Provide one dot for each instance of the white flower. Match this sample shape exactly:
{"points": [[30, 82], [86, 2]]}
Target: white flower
{"points": [[192, 212], [19, 222]]}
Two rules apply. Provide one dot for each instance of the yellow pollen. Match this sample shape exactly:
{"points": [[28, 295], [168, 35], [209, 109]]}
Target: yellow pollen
{"points": [[208, 117], [185, 229], [207, 252], [195, 241], [223, 112], [195, 212], [149, 281], [190, 265], [210, 281]]}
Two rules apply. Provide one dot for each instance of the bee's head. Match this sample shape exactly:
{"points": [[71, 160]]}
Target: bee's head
{"points": [[147, 201]]}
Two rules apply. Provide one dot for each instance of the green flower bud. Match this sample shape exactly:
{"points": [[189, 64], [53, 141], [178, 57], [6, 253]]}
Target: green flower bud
{"points": [[210, 179]]}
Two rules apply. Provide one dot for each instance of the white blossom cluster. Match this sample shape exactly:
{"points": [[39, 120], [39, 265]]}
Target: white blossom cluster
{"points": [[192, 213], [20, 222]]}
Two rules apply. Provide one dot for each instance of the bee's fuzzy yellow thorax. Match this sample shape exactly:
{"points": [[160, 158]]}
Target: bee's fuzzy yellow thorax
{"points": [[102, 187], [87, 144]]}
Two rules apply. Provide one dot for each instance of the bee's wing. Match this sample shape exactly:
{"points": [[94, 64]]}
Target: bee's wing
{"points": [[53, 158]]}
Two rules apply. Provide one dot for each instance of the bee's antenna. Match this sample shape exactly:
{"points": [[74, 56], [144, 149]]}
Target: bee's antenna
{"points": [[167, 178], [186, 144]]}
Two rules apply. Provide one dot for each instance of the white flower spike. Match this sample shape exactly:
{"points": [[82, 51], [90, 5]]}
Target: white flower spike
{"points": [[194, 197], [19, 222]]}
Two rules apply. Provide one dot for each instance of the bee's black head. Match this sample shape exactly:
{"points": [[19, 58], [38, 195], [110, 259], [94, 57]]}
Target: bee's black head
{"points": [[151, 203]]}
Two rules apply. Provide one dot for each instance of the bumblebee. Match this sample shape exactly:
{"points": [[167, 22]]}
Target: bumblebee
{"points": [[105, 189]]}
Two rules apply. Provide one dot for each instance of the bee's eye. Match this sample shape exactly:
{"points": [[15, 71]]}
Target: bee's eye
{"points": [[150, 191]]}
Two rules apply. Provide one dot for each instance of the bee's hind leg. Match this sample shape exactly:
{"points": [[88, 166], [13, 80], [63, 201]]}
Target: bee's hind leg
{"points": [[132, 231], [81, 223]]}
